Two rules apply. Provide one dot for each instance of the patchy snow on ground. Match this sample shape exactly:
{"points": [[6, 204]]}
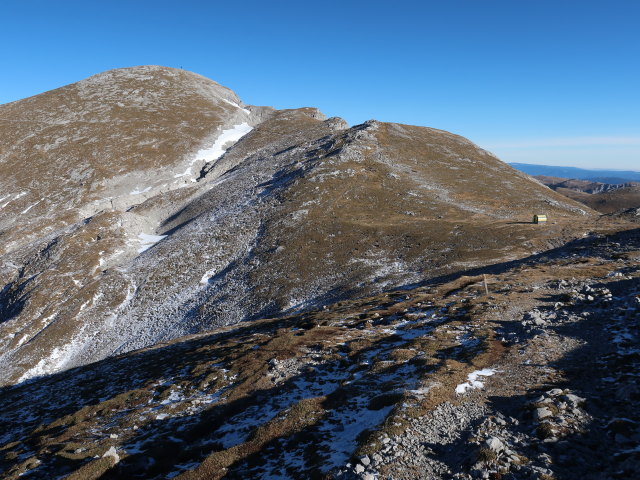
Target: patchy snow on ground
{"points": [[58, 359], [473, 381], [21, 194], [342, 427], [147, 241], [30, 207], [207, 275], [138, 192], [237, 429], [236, 105]]}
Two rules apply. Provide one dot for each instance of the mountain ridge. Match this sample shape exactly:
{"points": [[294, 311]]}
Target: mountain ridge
{"points": [[171, 244], [600, 175]]}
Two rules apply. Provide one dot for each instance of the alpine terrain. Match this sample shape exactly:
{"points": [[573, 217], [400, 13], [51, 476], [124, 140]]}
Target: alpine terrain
{"points": [[192, 287]]}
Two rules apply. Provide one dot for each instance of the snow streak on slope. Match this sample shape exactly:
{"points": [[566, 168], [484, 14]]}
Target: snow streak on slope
{"points": [[214, 152], [231, 135], [147, 241]]}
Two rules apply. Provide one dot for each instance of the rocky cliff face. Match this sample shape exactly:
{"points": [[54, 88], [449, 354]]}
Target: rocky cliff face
{"points": [[144, 204]]}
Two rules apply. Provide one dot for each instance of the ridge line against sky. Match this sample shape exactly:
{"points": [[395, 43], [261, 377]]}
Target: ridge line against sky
{"points": [[534, 82]]}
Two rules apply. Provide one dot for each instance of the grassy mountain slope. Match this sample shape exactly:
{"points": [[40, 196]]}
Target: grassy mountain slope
{"points": [[299, 212]]}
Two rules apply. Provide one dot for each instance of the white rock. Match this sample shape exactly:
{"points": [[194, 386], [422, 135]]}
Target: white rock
{"points": [[495, 444], [541, 413], [112, 453], [573, 399]]}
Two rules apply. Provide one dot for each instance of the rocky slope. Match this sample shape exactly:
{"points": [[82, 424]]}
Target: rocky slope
{"points": [[609, 202], [73, 164], [155, 204], [537, 379], [606, 198], [585, 186]]}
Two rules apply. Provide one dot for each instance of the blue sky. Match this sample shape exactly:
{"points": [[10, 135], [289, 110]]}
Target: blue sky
{"points": [[548, 82]]}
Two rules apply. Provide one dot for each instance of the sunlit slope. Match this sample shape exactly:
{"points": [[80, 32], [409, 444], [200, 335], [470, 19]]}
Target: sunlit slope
{"points": [[104, 142]]}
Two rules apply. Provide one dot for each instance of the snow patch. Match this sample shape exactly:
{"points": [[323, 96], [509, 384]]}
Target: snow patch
{"points": [[207, 275], [112, 453], [184, 174], [473, 381], [230, 135], [30, 207], [138, 192], [236, 105], [147, 241], [223, 142]]}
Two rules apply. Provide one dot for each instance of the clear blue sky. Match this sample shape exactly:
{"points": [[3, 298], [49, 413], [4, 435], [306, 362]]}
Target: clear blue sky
{"points": [[548, 82]]}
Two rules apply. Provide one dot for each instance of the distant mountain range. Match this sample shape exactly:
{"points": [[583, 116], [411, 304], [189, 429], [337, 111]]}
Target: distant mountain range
{"points": [[603, 176]]}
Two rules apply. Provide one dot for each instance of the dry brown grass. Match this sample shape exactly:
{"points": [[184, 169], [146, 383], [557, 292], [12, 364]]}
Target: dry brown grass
{"points": [[304, 413]]}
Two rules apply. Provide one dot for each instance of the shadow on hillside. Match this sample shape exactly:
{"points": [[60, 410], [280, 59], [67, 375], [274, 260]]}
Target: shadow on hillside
{"points": [[591, 245], [584, 246], [12, 300], [89, 396]]}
